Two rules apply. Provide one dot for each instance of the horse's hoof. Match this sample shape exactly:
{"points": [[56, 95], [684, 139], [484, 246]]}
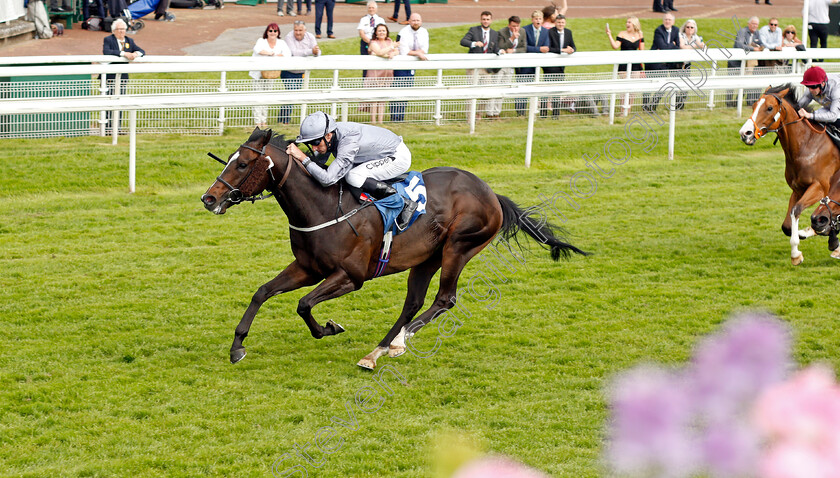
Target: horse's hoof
{"points": [[336, 329], [367, 363], [835, 254], [395, 351], [797, 260], [237, 355]]}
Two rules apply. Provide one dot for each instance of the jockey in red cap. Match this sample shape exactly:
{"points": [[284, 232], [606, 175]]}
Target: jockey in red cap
{"points": [[823, 90]]}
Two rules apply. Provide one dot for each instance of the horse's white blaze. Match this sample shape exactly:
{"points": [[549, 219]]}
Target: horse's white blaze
{"points": [[234, 157], [750, 123]]}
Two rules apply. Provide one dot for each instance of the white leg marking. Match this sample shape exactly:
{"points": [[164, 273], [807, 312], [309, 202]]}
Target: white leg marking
{"points": [[836, 253], [369, 360], [795, 255], [397, 347]]}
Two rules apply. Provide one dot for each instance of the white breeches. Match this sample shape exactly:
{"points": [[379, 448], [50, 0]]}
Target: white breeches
{"points": [[380, 169]]}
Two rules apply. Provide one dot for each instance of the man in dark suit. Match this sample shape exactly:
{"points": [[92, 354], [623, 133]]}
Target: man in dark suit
{"points": [[560, 40], [665, 37], [483, 39], [118, 44], [664, 6], [511, 40]]}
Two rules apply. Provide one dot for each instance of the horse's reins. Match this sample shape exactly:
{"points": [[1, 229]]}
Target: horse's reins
{"points": [[236, 196], [759, 132]]}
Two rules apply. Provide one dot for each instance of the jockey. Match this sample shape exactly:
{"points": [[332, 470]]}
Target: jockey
{"points": [[823, 90], [364, 156]]}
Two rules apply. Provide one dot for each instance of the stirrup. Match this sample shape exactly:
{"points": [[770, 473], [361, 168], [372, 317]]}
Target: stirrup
{"points": [[406, 214]]}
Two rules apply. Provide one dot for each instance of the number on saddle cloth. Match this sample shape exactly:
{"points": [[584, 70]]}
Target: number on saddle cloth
{"points": [[412, 187]]}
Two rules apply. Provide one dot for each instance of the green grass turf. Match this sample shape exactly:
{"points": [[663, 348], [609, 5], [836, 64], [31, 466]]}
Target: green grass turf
{"points": [[118, 309]]}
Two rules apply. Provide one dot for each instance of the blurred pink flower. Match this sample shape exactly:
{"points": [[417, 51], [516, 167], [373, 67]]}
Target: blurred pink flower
{"points": [[801, 420], [496, 467]]}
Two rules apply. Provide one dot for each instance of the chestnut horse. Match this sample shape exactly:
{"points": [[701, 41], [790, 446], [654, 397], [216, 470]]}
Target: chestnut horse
{"points": [[811, 158], [463, 215]]}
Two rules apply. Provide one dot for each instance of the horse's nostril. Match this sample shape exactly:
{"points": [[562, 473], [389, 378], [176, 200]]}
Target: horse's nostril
{"points": [[208, 199]]}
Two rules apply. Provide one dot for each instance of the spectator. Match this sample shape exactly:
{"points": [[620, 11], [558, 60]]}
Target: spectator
{"points": [[689, 37], [300, 43], [289, 11], [320, 6], [61, 6], [789, 38], [118, 44], [366, 26], [771, 35], [549, 13], [161, 13], [511, 40], [269, 45], [299, 2], [560, 41], [414, 41], [100, 8], [818, 23], [767, 2], [382, 46], [630, 39], [396, 16], [746, 39], [483, 39], [536, 37], [665, 37], [663, 6]]}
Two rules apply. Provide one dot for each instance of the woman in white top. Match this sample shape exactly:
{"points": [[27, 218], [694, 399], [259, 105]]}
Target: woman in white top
{"points": [[689, 37], [269, 45]]}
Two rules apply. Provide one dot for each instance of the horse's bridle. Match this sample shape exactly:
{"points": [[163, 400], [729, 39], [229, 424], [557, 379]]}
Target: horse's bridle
{"points": [[781, 114], [833, 220], [236, 196]]}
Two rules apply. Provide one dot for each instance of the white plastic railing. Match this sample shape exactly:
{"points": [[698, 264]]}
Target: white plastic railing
{"points": [[703, 78]]}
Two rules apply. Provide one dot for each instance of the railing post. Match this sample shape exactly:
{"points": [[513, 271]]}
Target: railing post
{"points": [[305, 87], [439, 84], [711, 103], [672, 121], [132, 149], [103, 115], [115, 112], [741, 90], [532, 113], [334, 107], [612, 96], [222, 89], [473, 103]]}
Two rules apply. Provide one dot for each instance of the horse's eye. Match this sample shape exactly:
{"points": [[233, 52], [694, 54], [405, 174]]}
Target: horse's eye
{"points": [[241, 165], [769, 109]]}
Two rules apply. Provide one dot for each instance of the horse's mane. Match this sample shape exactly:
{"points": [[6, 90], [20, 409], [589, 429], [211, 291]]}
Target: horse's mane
{"points": [[790, 96], [276, 140]]}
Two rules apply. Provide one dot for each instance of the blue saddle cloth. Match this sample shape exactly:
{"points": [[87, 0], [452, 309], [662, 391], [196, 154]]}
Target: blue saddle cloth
{"points": [[390, 207]]}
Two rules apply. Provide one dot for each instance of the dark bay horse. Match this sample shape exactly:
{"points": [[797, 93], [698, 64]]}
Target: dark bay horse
{"points": [[811, 158], [463, 215], [825, 220]]}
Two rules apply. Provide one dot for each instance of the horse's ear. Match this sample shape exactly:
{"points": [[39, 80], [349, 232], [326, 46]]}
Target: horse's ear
{"points": [[267, 136]]}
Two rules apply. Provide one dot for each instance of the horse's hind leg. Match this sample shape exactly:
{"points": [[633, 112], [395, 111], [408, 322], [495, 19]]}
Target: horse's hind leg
{"points": [[455, 258], [293, 277], [394, 341], [813, 194]]}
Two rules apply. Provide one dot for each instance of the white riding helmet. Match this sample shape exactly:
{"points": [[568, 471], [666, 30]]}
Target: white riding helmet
{"points": [[315, 127]]}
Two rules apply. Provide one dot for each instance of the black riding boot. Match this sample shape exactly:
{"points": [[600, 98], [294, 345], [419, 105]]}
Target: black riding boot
{"points": [[380, 190]]}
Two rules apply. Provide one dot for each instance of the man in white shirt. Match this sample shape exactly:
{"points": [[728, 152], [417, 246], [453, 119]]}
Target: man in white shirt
{"points": [[771, 35], [366, 26], [414, 41], [301, 43], [818, 22]]}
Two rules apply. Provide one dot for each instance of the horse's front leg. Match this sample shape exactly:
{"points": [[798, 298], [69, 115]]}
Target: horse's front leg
{"points": [[293, 277], [336, 285], [813, 194]]}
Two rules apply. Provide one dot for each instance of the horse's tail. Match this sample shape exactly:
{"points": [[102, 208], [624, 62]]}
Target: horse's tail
{"points": [[514, 219]]}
